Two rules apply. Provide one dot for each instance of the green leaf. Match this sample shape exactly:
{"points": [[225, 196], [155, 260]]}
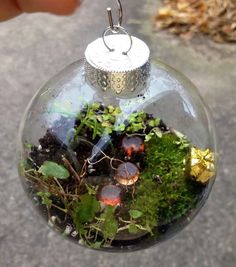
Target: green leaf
{"points": [[86, 209], [151, 123], [135, 127], [97, 244], [106, 117], [135, 214], [110, 109], [28, 145], [45, 196], [158, 132], [133, 229], [110, 224], [117, 111], [110, 228], [91, 189], [95, 106], [120, 127], [52, 169], [148, 137], [154, 122]]}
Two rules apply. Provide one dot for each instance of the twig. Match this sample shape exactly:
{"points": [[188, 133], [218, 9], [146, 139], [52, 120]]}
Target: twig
{"points": [[58, 183], [83, 171], [71, 169]]}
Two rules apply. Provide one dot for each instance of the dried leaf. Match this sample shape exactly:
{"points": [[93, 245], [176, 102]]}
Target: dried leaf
{"points": [[215, 18]]}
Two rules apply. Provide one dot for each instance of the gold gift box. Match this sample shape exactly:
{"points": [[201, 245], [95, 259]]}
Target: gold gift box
{"points": [[202, 164]]}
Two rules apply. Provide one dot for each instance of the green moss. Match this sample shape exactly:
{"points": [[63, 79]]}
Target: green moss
{"points": [[147, 201], [164, 192], [109, 223]]}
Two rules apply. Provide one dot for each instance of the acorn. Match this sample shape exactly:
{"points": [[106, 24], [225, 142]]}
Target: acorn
{"points": [[127, 173]]}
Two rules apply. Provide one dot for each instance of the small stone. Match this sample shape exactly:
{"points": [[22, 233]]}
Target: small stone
{"points": [[68, 230], [91, 171], [74, 233]]}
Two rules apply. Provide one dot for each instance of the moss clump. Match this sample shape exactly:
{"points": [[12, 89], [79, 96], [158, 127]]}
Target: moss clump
{"points": [[164, 193], [147, 201]]}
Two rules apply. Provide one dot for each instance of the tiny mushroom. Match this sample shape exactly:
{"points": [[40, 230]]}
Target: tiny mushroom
{"points": [[127, 173], [110, 195], [132, 145]]}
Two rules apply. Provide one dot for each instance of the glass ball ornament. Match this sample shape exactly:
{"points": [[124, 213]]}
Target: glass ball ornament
{"points": [[117, 152]]}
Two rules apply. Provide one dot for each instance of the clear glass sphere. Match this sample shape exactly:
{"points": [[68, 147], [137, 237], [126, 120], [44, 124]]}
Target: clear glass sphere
{"points": [[112, 172]]}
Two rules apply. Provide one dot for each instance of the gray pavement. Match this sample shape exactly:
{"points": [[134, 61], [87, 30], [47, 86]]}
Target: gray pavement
{"points": [[35, 47]]}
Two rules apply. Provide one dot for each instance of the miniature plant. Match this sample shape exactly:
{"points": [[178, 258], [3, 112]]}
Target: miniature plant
{"points": [[85, 210], [109, 225], [103, 120], [45, 196], [52, 169]]}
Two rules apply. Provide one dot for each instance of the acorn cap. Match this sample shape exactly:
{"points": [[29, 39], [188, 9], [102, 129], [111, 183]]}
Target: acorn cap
{"points": [[115, 70]]}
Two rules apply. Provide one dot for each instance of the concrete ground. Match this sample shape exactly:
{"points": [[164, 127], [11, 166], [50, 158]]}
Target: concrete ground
{"points": [[35, 47]]}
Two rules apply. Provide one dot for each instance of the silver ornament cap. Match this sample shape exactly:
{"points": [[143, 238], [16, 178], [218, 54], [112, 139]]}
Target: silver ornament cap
{"points": [[117, 63]]}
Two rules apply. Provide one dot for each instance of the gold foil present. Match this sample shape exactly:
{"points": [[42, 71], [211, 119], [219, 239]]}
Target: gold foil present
{"points": [[202, 164]]}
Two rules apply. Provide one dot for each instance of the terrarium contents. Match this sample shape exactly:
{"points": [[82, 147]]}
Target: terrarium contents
{"points": [[115, 182]]}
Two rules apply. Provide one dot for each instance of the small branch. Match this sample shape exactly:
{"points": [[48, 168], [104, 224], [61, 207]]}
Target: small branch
{"points": [[129, 222], [83, 171], [114, 159], [135, 134], [94, 163], [71, 169], [123, 228], [61, 209], [58, 183]]}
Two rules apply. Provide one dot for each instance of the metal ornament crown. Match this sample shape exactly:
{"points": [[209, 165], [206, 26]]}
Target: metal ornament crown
{"points": [[116, 70], [117, 63]]}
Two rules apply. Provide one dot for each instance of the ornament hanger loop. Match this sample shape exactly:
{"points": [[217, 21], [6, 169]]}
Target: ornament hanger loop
{"points": [[110, 17], [118, 29]]}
